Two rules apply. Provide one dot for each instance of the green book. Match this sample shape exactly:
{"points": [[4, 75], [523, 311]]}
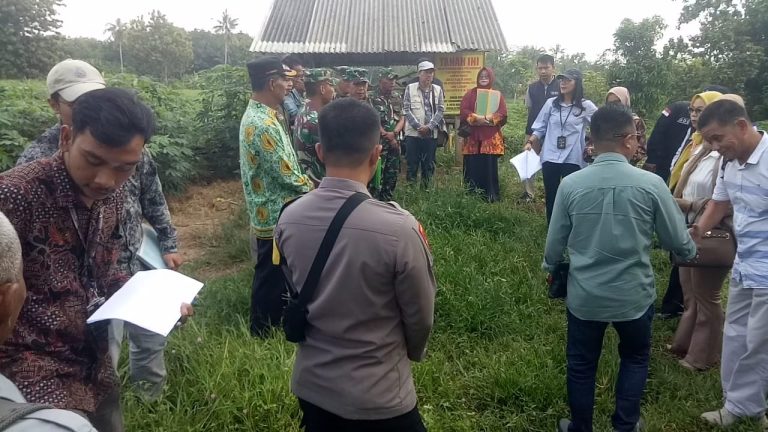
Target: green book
{"points": [[487, 102]]}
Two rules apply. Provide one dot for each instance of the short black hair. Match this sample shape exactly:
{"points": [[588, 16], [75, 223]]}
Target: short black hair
{"points": [[610, 120], [292, 61], [312, 89], [723, 112], [545, 59], [349, 130], [113, 116]]}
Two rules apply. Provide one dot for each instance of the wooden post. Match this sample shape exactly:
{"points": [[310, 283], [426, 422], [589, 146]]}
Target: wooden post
{"points": [[458, 141]]}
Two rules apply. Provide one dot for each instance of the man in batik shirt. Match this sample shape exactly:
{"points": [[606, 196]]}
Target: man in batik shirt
{"points": [[271, 176], [144, 199]]}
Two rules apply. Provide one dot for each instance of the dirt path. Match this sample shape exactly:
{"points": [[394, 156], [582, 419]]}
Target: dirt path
{"points": [[200, 212]]}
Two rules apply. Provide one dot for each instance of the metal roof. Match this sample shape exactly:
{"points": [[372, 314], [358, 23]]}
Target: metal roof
{"points": [[362, 28]]}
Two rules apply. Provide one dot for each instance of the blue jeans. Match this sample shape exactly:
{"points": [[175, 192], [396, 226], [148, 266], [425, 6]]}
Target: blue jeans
{"points": [[585, 344]]}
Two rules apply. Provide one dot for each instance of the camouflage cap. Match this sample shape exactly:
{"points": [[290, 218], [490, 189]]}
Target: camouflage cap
{"points": [[319, 75], [388, 73], [356, 75]]}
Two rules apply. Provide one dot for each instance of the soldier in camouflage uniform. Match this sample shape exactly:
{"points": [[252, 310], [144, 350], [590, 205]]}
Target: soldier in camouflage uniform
{"points": [[361, 82], [344, 87], [144, 200], [319, 85], [389, 105]]}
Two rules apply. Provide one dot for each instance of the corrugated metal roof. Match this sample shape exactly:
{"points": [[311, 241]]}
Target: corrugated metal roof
{"points": [[379, 26]]}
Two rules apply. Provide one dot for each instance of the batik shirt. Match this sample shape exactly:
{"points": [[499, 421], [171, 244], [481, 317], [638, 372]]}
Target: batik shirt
{"points": [[144, 199], [70, 253], [305, 135], [268, 166]]}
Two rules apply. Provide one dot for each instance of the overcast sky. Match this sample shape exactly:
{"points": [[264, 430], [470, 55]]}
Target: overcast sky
{"points": [[592, 21]]}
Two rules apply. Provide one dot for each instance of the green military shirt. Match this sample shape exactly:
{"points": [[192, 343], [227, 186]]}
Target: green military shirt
{"points": [[306, 135], [605, 216], [390, 108]]}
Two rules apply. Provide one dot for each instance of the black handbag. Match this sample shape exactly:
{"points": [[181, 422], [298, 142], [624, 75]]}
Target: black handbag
{"points": [[295, 313], [465, 130]]}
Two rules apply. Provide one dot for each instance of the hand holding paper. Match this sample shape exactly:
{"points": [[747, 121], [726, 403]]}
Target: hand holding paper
{"points": [[152, 300], [527, 164]]}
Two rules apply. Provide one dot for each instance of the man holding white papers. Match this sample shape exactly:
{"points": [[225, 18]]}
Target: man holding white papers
{"points": [[484, 111], [66, 210]]}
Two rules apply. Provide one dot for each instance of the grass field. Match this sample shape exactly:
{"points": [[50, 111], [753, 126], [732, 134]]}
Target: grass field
{"points": [[496, 358]]}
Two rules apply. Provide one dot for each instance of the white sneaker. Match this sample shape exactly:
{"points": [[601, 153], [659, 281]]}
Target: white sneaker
{"points": [[725, 418]]}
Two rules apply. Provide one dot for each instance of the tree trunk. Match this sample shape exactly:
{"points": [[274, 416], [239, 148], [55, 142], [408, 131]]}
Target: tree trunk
{"points": [[226, 51], [120, 45]]}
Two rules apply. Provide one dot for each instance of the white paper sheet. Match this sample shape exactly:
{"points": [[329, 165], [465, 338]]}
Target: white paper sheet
{"points": [[527, 164], [150, 299]]}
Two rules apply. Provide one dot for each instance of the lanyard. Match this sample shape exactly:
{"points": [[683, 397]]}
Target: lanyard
{"points": [[87, 261], [562, 123]]}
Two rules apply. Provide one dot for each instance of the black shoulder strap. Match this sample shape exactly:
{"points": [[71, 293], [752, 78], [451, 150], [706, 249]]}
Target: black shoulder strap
{"points": [[11, 412], [310, 284]]}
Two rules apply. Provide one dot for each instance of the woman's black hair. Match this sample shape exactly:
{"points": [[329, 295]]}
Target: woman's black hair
{"points": [[578, 97]]}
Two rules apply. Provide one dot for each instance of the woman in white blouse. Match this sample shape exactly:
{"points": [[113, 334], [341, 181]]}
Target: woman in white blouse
{"points": [[699, 335]]}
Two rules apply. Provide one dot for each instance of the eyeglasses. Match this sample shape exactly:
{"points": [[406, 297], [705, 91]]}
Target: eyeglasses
{"points": [[698, 111]]}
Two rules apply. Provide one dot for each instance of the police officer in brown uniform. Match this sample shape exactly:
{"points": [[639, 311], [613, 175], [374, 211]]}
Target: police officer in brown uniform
{"points": [[372, 310]]}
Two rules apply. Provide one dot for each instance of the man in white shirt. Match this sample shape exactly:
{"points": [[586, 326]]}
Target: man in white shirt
{"points": [[742, 184]]}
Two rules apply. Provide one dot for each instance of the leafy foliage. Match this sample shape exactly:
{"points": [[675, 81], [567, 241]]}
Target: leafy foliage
{"points": [[638, 66], [27, 47], [24, 115], [222, 102], [174, 145], [157, 48]]}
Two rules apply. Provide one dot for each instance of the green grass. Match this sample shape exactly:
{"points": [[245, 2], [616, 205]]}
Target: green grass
{"points": [[496, 358]]}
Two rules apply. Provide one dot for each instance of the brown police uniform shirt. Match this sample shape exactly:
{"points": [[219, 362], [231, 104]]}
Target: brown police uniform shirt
{"points": [[373, 309]]}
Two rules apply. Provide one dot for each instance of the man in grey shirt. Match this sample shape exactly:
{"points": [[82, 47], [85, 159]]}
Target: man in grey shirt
{"points": [[372, 311]]}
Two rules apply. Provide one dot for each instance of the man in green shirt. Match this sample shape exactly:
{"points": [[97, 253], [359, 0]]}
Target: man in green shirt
{"points": [[271, 176], [605, 216]]}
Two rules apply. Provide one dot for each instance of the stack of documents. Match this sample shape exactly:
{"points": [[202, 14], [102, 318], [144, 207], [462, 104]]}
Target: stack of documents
{"points": [[527, 164]]}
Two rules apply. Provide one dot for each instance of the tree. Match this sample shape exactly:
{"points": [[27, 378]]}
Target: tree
{"points": [[733, 40], [157, 47], [116, 31], [225, 26], [638, 66], [27, 31]]}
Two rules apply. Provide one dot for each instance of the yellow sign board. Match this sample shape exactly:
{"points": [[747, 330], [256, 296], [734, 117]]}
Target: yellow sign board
{"points": [[458, 71]]}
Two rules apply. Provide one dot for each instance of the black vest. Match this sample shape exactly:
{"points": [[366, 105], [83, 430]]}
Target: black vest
{"points": [[538, 93]]}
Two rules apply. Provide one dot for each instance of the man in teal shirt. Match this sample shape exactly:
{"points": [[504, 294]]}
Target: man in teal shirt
{"points": [[606, 215]]}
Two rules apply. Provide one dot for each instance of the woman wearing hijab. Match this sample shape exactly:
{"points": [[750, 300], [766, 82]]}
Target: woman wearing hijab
{"points": [[485, 143], [698, 103], [699, 336], [620, 95], [559, 134]]}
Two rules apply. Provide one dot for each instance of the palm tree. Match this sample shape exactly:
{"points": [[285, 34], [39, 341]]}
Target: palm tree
{"points": [[116, 30], [225, 26]]}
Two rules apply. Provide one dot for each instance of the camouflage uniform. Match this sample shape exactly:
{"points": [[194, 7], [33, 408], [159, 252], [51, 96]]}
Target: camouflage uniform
{"points": [[390, 109], [343, 72], [306, 133], [144, 199]]}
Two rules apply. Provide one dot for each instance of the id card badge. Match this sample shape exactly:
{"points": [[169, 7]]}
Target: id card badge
{"points": [[561, 143]]}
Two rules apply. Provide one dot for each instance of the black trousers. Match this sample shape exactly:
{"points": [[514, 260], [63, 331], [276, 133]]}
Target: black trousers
{"points": [[421, 154], [553, 174], [673, 299], [268, 293], [316, 419]]}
